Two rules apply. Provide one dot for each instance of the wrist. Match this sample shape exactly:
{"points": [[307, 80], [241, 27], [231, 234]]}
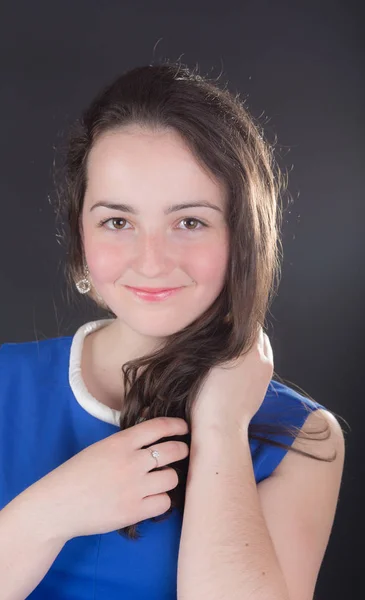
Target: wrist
{"points": [[38, 509], [216, 442], [222, 428], [216, 449]]}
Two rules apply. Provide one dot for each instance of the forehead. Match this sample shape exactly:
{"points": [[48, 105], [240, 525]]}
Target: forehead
{"points": [[153, 161]]}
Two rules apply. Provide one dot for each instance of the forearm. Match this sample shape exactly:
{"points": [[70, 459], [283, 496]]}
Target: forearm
{"points": [[226, 552], [28, 546]]}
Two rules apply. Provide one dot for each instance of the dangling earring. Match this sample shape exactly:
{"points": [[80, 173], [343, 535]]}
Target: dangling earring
{"points": [[84, 285]]}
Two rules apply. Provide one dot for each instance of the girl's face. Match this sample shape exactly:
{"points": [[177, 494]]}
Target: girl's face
{"points": [[137, 233]]}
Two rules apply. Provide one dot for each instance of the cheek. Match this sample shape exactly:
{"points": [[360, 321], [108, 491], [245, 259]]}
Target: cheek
{"points": [[105, 261], [207, 264]]}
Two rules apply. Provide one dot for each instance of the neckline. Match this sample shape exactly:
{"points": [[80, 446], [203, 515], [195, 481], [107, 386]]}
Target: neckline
{"points": [[88, 402]]}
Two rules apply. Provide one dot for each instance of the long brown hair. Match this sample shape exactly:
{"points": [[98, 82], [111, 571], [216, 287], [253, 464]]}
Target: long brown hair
{"points": [[227, 142]]}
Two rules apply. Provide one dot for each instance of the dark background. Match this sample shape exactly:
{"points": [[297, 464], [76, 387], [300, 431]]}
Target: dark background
{"points": [[300, 65]]}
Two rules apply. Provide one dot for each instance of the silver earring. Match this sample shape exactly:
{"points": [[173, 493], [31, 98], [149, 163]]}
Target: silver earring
{"points": [[84, 285]]}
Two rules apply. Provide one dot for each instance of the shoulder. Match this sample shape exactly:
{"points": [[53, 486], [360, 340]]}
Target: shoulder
{"points": [[287, 425], [283, 412], [19, 359], [321, 436], [33, 347], [28, 371], [318, 431]]}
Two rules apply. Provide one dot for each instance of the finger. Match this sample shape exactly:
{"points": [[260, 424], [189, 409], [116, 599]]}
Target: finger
{"points": [[149, 432], [164, 454]]}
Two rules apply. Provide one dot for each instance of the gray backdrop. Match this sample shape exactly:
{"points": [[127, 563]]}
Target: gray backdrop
{"points": [[300, 65]]}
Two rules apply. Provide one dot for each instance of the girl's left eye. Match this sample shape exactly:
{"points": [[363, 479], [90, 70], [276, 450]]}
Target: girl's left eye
{"points": [[196, 221], [114, 219]]}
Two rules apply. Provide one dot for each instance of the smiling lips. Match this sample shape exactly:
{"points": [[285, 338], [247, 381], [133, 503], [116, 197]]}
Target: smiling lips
{"points": [[151, 290], [155, 295]]}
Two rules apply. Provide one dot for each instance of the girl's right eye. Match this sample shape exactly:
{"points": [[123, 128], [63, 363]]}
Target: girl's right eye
{"points": [[105, 221]]}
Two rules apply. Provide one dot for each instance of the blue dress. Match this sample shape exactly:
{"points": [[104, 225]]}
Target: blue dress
{"points": [[45, 420]]}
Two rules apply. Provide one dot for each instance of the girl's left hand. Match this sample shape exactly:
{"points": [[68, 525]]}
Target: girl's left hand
{"points": [[230, 397]]}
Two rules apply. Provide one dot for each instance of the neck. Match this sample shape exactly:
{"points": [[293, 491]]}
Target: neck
{"points": [[104, 353]]}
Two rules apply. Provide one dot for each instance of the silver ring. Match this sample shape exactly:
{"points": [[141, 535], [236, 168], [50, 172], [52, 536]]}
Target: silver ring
{"points": [[155, 454]]}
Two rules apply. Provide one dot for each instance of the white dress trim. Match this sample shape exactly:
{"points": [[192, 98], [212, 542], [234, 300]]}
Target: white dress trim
{"points": [[84, 398]]}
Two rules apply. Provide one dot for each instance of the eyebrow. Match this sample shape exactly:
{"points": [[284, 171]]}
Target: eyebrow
{"points": [[130, 209]]}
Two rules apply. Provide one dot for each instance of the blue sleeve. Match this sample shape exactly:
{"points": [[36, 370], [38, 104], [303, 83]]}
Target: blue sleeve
{"points": [[285, 407]]}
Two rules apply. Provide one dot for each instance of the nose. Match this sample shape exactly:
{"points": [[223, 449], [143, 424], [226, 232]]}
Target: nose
{"points": [[152, 255]]}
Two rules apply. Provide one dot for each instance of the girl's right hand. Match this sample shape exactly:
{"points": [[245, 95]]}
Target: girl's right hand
{"points": [[108, 485]]}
